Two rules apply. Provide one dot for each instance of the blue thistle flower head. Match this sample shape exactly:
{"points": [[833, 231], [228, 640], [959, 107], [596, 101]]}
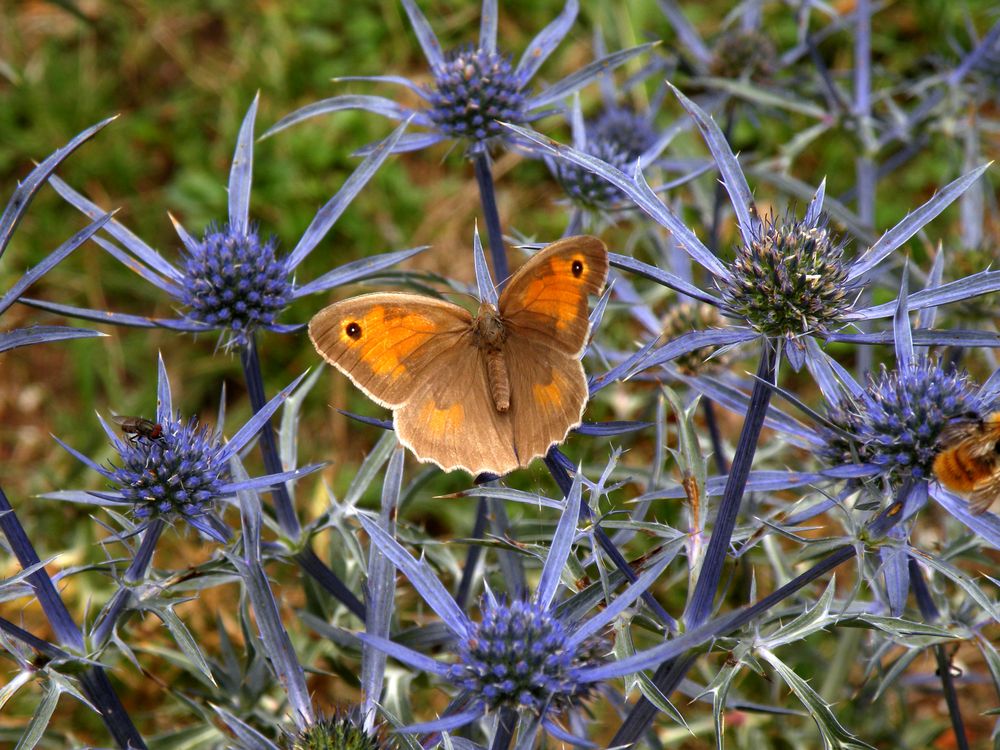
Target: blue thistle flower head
{"points": [[518, 656], [744, 53], [630, 131], [342, 731], [617, 136], [473, 89], [179, 474], [585, 188], [903, 412], [235, 281], [790, 279]]}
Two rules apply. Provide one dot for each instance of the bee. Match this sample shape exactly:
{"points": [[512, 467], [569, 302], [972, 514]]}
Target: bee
{"points": [[968, 462], [138, 427]]}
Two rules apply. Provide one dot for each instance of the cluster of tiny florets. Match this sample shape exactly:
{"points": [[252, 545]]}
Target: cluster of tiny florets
{"points": [[340, 732], [235, 281], [517, 658], [473, 91], [633, 133], [901, 415], [743, 54], [617, 136], [790, 280], [685, 317], [178, 474]]}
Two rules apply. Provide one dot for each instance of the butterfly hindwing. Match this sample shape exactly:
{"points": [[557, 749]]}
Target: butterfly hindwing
{"points": [[451, 420], [548, 392]]}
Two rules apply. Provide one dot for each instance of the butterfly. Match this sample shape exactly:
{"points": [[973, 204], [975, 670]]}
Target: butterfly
{"points": [[483, 393]]}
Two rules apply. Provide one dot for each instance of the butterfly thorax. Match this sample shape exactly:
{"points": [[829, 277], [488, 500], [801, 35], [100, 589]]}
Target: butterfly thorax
{"points": [[489, 334]]}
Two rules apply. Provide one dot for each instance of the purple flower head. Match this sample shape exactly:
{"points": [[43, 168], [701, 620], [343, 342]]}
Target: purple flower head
{"points": [[902, 413], [518, 656], [473, 90], [178, 470], [232, 281], [789, 279], [789, 282], [176, 475], [235, 281], [630, 131], [896, 418], [342, 731], [476, 87], [523, 654]]}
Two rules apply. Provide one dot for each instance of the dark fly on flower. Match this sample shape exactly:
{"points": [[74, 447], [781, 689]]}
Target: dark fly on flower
{"points": [[138, 427]]}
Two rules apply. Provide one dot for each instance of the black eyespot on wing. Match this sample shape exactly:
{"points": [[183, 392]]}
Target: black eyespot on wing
{"points": [[577, 268], [353, 330]]}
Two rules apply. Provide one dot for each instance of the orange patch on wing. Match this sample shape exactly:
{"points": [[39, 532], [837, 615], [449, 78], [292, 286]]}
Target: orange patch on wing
{"points": [[555, 293], [387, 337], [440, 421], [548, 395]]}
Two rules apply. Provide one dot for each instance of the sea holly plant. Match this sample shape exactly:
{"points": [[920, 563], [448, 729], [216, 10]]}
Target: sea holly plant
{"points": [[475, 89], [94, 684], [574, 619], [233, 282], [12, 214], [521, 657], [789, 285], [179, 474]]}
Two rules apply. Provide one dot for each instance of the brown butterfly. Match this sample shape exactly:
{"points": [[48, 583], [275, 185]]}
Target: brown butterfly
{"points": [[484, 393], [968, 463]]}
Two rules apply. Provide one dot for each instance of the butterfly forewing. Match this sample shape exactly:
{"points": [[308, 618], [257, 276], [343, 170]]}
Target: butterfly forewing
{"points": [[547, 299], [387, 344]]}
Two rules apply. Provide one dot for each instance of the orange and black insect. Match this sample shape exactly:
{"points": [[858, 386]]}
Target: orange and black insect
{"points": [[139, 427], [968, 462]]}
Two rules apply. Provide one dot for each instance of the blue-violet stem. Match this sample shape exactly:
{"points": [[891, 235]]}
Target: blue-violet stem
{"points": [[670, 673], [285, 513], [95, 682], [487, 196], [506, 723], [472, 557], [930, 613], [700, 606], [135, 572]]}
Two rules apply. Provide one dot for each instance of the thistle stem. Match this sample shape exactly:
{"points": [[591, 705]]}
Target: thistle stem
{"points": [[670, 673], [135, 572], [930, 613], [487, 196], [506, 723], [718, 455], [284, 511], [472, 557], [96, 684], [700, 606], [253, 374], [498, 255]]}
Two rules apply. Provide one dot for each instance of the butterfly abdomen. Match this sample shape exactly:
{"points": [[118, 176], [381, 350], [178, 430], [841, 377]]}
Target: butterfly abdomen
{"points": [[489, 334], [496, 372]]}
